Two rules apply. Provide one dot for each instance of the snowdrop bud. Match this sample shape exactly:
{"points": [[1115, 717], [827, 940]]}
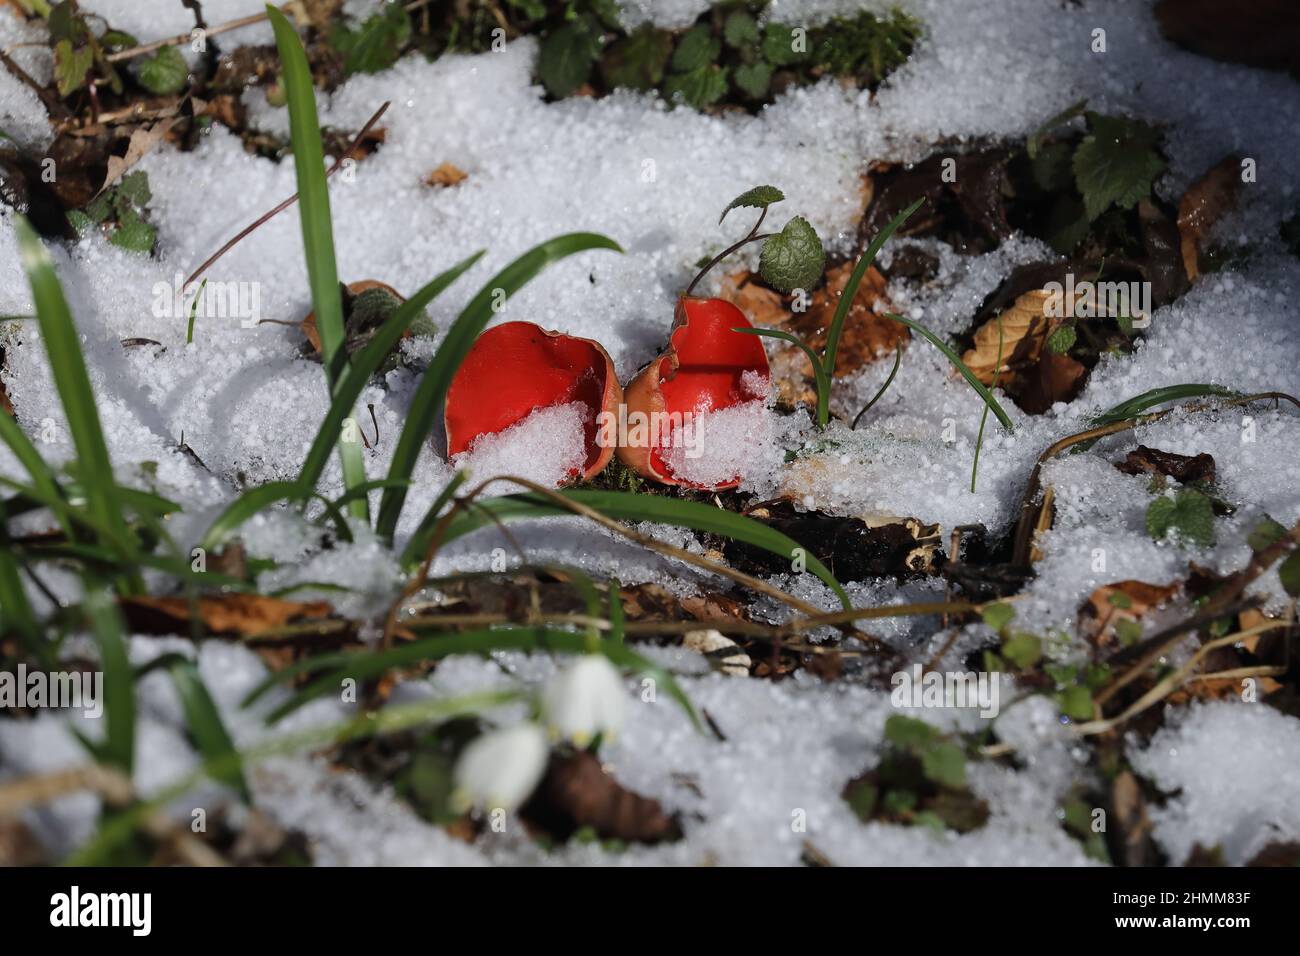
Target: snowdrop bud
{"points": [[501, 768], [585, 699]]}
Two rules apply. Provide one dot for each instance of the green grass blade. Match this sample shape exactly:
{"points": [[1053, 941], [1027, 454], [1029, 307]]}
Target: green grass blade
{"points": [[432, 390], [258, 499], [206, 727], [42, 476], [616, 618], [961, 366], [628, 506], [118, 747], [363, 665], [419, 543], [819, 371], [880, 392], [1138, 404], [984, 416], [16, 615], [850, 292], [63, 348], [364, 365]]}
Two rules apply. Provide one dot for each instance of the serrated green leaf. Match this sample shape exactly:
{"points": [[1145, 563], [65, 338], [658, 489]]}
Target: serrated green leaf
{"points": [[567, 55], [376, 44], [909, 733], [945, 765], [1023, 650], [638, 61], [1116, 163], [697, 48], [740, 30], [779, 45], [134, 188], [698, 88], [1188, 514], [163, 73], [1289, 573], [794, 258], [760, 197], [998, 616], [71, 66], [136, 235], [753, 79], [1062, 339]]}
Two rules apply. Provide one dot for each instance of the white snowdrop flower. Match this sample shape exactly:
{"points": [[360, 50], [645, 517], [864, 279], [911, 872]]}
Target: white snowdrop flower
{"points": [[501, 768], [585, 699]]}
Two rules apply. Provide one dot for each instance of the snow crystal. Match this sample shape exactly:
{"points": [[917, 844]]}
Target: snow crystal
{"points": [[716, 446], [548, 447]]}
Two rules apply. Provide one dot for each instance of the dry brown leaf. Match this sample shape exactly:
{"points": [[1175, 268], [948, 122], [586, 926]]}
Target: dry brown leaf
{"points": [[1221, 688], [1184, 469], [1023, 335], [577, 793], [761, 304], [447, 174], [1205, 203], [1123, 600], [143, 139], [227, 614], [354, 288]]}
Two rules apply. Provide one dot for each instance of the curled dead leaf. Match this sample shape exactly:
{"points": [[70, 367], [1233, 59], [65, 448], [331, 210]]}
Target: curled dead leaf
{"points": [[577, 793], [447, 174], [1184, 469], [722, 651], [1206, 202], [1110, 604], [241, 615], [358, 327]]}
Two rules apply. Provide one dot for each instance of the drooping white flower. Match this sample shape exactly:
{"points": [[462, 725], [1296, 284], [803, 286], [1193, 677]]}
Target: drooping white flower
{"points": [[501, 768], [585, 699]]}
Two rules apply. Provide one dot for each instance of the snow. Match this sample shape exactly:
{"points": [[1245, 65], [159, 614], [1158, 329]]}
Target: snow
{"points": [[548, 447], [655, 179]]}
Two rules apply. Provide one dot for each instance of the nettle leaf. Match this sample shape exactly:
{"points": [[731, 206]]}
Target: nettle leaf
{"points": [[66, 23], [794, 258], [1188, 514], [564, 63], [164, 73], [760, 197], [639, 60], [698, 88], [376, 44], [697, 48], [779, 45], [1116, 163], [740, 30], [753, 79], [1062, 339], [71, 66]]}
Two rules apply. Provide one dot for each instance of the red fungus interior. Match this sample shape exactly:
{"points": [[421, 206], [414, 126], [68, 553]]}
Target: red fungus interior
{"points": [[513, 370], [712, 360]]}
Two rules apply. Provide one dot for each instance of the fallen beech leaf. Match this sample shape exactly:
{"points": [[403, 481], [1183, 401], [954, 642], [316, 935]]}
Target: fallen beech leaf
{"points": [[1205, 203], [227, 614], [577, 793], [1023, 334], [1110, 604], [1184, 469], [143, 139], [761, 304], [445, 175]]}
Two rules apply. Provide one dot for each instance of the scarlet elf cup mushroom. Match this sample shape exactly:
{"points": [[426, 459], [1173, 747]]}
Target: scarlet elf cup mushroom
{"points": [[706, 368], [517, 368]]}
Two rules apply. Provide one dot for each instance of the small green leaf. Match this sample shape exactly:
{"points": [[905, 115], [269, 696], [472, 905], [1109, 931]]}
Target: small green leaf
{"points": [[135, 235], [1075, 702], [998, 616], [740, 30], [945, 765], [760, 197], [114, 40], [1023, 650], [164, 73], [909, 733], [1116, 163], [1267, 532], [1188, 514], [1289, 573], [794, 258], [376, 44], [638, 61], [134, 188], [753, 79], [779, 42], [698, 88], [567, 55], [1128, 631], [71, 66], [697, 48], [1119, 599], [1062, 339], [862, 798]]}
